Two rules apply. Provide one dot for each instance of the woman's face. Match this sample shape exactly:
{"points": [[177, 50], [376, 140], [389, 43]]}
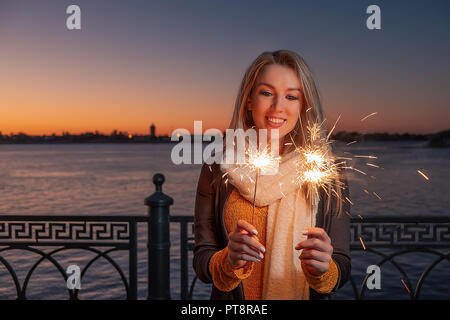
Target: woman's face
{"points": [[276, 99]]}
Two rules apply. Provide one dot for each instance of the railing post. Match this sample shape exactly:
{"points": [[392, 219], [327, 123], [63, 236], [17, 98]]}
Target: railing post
{"points": [[158, 242]]}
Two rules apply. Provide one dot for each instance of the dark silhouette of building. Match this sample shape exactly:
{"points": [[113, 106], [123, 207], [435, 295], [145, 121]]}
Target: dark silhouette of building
{"points": [[152, 131]]}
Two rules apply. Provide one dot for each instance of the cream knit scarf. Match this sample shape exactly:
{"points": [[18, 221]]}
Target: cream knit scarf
{"points": [[288, 216]]}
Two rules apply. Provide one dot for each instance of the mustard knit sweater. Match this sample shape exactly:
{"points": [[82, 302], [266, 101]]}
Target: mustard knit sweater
{"points": [[227, 278]]}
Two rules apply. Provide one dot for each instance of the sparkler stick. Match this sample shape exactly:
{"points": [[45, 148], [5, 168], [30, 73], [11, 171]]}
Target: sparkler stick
{"points": [[254, 194]]}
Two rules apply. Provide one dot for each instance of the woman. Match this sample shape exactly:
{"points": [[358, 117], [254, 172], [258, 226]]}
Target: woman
{"points": [[271, 258]]}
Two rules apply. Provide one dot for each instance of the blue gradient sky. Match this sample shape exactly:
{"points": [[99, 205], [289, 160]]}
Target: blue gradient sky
{"points": [[172, 62]]}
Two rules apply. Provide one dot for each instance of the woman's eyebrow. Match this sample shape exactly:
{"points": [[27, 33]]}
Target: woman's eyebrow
{"points": [[269, 85]]}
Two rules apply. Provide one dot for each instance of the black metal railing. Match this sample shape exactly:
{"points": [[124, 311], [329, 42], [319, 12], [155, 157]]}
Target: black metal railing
{"points": [[103, 235], [100, 235], [392, 237]]}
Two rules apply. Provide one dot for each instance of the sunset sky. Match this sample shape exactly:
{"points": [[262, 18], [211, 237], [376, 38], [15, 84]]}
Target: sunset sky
{"points": [[172, 62]]}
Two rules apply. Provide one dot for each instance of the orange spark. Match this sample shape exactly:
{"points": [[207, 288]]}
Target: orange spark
{"points": [[349, 201], [372, 114], [362, 242], [409, 291], [370, 157], [423, 174], [351, 168]]}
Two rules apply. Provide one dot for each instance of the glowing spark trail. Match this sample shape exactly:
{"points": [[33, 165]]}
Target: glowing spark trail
{"points": [[351, 168], [349, 201], [329, 134], [372, 114], [362, 242], [423, 174], [407, 289], [370, 157]]}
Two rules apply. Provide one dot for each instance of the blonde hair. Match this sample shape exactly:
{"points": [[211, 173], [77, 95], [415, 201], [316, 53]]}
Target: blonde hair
{"points": [[242, 117]]}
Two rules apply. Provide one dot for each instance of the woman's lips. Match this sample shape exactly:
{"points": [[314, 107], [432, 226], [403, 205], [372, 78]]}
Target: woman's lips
{"points": [[273, 122]]}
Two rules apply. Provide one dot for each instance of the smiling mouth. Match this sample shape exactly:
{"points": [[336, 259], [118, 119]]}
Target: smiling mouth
{"points": [[275, 122]]}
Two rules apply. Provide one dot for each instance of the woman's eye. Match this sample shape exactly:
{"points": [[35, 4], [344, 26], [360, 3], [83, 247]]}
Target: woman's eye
{"points": [[265, 93], [292, 97]]}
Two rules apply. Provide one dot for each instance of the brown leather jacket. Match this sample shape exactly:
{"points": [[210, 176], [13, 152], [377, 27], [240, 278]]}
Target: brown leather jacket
{"points": [[212, 236]]}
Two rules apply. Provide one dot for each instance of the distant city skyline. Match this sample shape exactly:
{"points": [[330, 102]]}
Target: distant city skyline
{"points": [[173, 62]]}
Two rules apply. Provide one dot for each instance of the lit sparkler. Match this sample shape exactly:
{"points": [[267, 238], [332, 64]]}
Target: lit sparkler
{"points": [[316, 167], [258, 161]]}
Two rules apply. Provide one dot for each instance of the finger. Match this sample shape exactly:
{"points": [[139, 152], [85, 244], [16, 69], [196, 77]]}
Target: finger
{"points": [[237, 248], [247, 240], [250, 241], [313, 267], [316, 255], [314, 243], [242, 232], [246, 257], [317, 265], [317, 233], [242, 235], [244, 225]]}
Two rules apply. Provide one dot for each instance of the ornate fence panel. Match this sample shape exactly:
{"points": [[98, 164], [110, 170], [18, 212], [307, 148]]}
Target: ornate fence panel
{"points": [[403, 236], [100, 235]]}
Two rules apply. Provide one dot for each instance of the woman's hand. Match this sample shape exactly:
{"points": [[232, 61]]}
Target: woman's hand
{"points": [[243, 245], [317, 251]]}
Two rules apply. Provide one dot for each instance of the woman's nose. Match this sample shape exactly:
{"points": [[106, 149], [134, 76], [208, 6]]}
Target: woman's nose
{"points": [[277, 103]]}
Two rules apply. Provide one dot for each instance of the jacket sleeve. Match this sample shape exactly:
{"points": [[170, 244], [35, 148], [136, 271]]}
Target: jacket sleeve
{"points": [[205, 225], [339, 232]]}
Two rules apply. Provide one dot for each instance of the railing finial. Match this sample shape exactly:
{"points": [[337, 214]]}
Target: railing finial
{"points": [[158, 180]]}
